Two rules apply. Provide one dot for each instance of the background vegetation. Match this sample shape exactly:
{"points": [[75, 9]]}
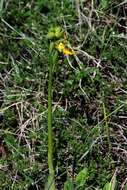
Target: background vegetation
{"points": [[89, 99]]}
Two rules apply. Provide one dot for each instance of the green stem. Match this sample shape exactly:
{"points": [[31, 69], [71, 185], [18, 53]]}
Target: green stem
{"points": [[51, 181]]}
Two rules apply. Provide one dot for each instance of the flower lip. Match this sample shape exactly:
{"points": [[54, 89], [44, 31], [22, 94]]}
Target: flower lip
{"points": [[62, 49], [67, 51]]}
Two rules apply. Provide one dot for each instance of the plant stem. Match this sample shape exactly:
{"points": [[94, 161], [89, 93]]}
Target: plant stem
{"points": [[51, 182]]}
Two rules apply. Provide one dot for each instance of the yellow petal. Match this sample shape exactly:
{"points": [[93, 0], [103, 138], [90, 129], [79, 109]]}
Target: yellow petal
{"points": [[68, 51], [60, 47]]}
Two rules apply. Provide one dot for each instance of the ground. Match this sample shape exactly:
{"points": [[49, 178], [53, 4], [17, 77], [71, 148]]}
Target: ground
{"points": [[89, 94]]}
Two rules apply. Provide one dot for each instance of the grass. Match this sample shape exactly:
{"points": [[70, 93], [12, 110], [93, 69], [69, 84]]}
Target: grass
{"points": [[89, 103]]}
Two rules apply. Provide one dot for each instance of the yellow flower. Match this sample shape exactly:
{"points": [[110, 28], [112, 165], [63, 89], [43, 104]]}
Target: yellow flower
{"points": [[67, 51], [60, 47]]}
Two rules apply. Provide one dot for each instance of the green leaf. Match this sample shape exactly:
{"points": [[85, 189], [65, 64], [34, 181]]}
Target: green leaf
{"points": [[108, 186], [68, 185], [103, 4], [82, 177]]}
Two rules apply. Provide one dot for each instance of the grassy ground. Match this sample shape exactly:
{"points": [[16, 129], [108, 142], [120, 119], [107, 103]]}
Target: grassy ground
{"points": [[89, 99]]}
